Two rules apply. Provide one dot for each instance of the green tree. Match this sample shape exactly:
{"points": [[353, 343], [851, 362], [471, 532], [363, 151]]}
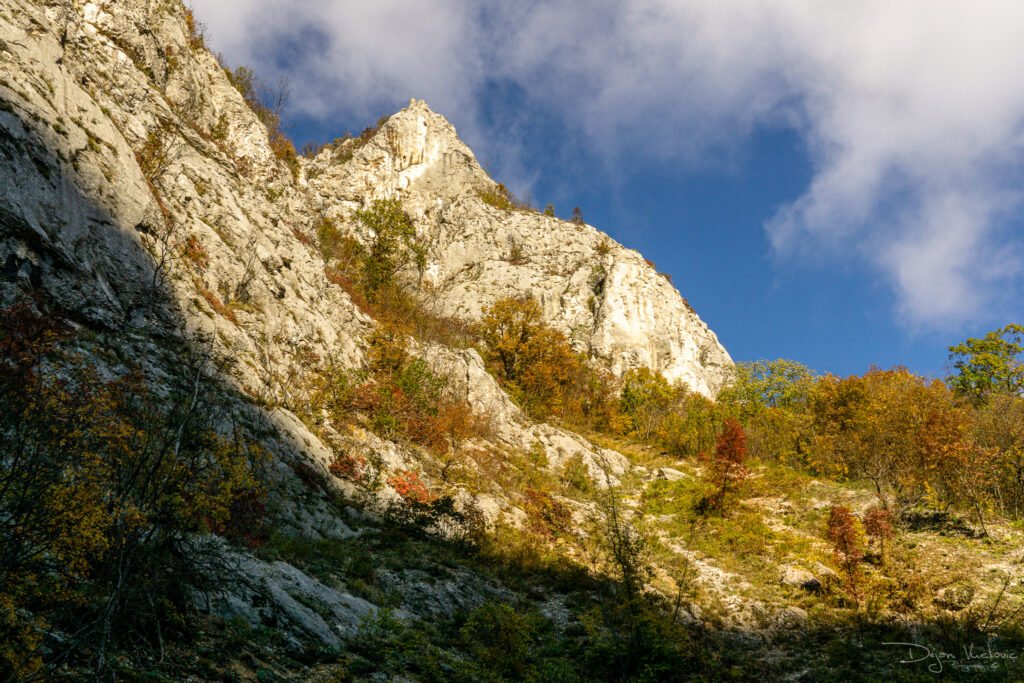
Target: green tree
{"points": [[692, 427], [769, 384], [990, 365], [772, 399], [393, 244], [646, 400]]}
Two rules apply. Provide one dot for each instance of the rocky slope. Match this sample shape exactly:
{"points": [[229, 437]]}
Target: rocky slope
{"points": [[92, 84], [141, 198], [212, 234]]}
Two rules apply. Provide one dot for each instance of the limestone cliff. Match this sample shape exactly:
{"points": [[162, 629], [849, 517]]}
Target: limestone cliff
{"points": [[608, 299], [140, 197]]}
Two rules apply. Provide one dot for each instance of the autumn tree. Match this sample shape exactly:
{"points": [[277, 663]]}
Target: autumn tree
{"points": [[999, 425], [399, 397], [989, 365], [879, 526], [871, 427], [846, 534], [104, 485], [529, 356], [961, 472], [726, 470]]}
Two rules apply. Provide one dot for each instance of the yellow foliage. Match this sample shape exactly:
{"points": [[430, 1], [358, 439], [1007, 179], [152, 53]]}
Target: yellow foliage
{"points": [[530, 357], [99, 475]]}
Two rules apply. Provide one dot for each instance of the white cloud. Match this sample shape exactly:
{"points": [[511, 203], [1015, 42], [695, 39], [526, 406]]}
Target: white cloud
{"points": [[913, 111]]}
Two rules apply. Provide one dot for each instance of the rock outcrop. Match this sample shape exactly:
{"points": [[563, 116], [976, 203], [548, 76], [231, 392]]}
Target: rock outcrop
{"points": [[608, 299]]}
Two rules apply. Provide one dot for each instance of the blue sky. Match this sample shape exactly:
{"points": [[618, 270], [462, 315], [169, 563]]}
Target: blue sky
{"points": [[836, 183]]}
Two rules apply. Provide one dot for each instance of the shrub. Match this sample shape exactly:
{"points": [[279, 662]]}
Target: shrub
{"points": [[336, 247], [645, 401], [500, 197], [576, 474], [217, 305], [158, 151], [408, 485], [393, 244], [726, 470], [219, 132], [284, 150], [348, 466], [104, 485], [548, 517], [194, 251], [531, 358], [267, 106], [515, 255], [846, 534], [195, 30], [878, 524], [501, 639]]}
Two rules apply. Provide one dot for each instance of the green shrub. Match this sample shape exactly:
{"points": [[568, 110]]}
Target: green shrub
{"points": [[502, 640], [393, 244], [576, 475]]}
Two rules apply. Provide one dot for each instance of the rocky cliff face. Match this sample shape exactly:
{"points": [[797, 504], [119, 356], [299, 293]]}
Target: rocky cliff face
{"points": [[608, 299], [94, 84], [140, 196], [148, 224]]}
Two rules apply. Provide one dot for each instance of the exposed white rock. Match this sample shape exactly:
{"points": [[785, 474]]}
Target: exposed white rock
{"points": [[792, 575], [606, 298], [278, 594], [465, 372], [669, 474]]}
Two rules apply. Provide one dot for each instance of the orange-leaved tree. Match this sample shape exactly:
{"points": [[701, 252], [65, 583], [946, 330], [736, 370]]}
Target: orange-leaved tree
{"points": [[726, 470], [879, 525], [875, 427], [846, 534]]}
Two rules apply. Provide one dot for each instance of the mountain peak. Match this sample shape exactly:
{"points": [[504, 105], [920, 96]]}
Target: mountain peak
{"points": [[415, 146]]}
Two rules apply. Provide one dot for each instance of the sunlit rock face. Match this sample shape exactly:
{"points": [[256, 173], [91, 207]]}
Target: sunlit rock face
{"points": [[608, 299]]}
